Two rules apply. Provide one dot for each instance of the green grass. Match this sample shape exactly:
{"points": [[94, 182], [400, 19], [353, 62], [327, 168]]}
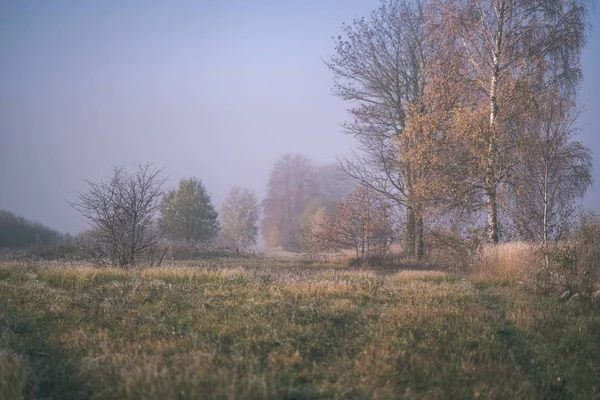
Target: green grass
{"points": [[243, 330]]}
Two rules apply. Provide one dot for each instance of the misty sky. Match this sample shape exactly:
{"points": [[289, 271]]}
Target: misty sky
{"points": [[212, 89]]}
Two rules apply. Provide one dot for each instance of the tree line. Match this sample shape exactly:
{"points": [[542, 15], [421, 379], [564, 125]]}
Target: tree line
{"points": [[130, 216], [19, 233]]}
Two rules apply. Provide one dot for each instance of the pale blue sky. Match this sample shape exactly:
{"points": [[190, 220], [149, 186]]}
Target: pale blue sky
{"points": [[213, 89]]}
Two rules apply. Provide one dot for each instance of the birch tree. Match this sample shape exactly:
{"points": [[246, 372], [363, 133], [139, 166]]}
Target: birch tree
{"points": [[501, 45], [313, 231], [553, 173]]}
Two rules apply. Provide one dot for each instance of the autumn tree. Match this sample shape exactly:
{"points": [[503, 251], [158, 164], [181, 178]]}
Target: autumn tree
{"points": [[239, 219], [500, 45], [378, 66], [121, 214], [291, 187], [187, 213]]}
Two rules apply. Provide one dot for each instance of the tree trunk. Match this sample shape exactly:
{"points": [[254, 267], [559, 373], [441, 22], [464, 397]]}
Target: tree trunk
{"points": [[491, 183], [410, 232], [492, 210], [419, 237], [491, 192], [545, 233], [545, 237]]}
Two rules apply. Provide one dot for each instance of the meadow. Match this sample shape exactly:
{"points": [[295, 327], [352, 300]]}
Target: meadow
{"points": [[267, 329]]}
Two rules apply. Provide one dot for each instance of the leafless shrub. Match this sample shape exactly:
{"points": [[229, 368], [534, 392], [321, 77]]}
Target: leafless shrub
{"points": [[450, 247], [121, 214]]}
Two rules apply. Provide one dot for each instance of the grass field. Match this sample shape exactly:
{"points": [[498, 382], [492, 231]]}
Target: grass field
{"points": [[273, 330]]}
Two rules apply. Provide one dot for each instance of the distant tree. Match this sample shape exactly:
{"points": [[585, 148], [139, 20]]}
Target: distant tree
{"points": [[239, 219], [122, 213], [18, 232], [291, 187], [187, 213]]}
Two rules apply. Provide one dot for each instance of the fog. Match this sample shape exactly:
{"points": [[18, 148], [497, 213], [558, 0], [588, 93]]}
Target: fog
{"points": [[212, 89]]}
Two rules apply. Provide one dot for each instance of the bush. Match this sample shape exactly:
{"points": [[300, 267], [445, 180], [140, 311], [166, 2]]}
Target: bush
{"points": [[451, 249], [69, 248], [587, 241], [575, 264], [372, 261], [355, 262]]}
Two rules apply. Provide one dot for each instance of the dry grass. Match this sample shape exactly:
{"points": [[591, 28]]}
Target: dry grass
{"points": [[411, 275], [267, 329], [14, 375], [508, 262]]}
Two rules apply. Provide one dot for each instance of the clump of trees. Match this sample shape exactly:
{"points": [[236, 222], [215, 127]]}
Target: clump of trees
{"points": [[187, 213], [360, 222], [463, 110], [19, 233], [467, 107]]}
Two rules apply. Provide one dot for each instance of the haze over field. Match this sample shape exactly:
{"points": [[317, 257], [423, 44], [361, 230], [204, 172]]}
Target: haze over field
{"points": [[299, 199], [216, 90]]}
